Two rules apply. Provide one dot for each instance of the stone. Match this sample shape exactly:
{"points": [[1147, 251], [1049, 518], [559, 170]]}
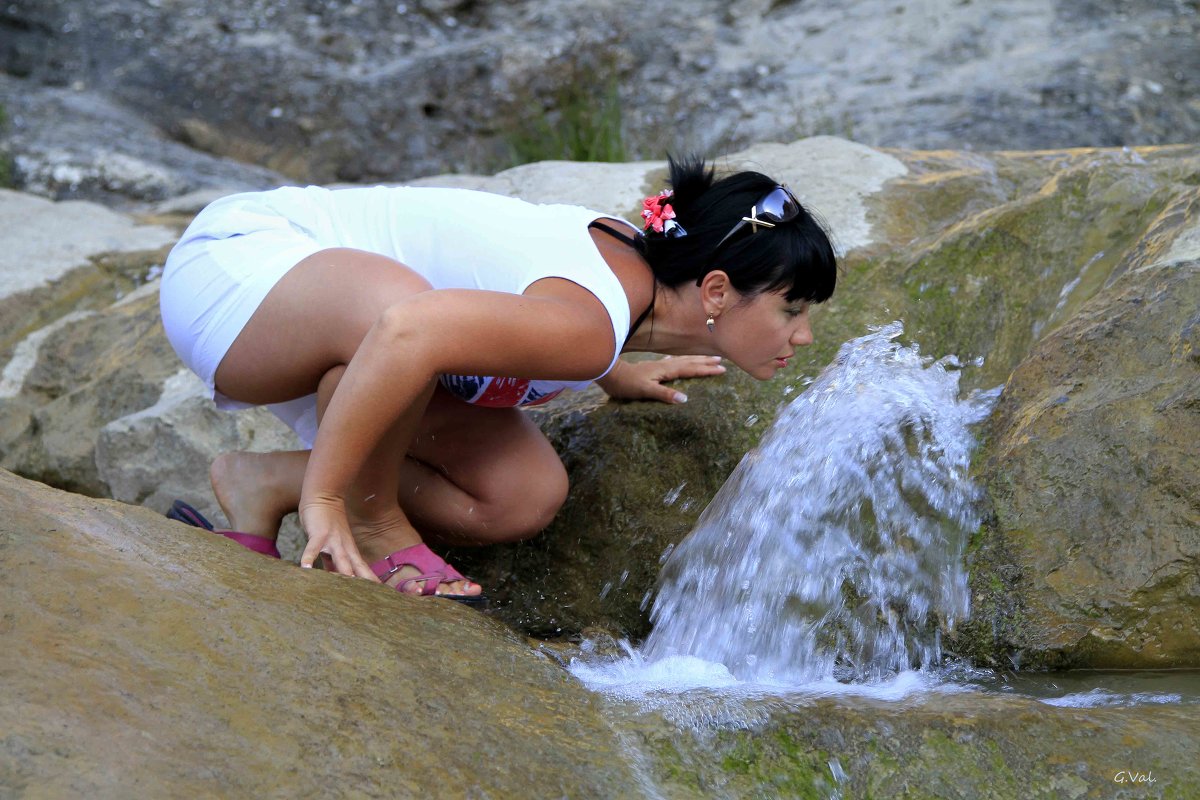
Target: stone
{"points": [[385, 91], [144, 656], [44, 240], [935, 744], [1090, 558], [69, 143]]}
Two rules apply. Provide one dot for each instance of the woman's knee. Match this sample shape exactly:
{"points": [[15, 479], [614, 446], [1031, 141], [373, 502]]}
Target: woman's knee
{"points": [[526, 510]]}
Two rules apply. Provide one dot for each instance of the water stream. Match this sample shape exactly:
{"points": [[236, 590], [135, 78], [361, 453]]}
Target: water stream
{"points": [[831, 561]]}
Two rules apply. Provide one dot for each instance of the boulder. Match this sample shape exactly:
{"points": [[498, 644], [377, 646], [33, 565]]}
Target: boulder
{"points": [[142, 657], [65, 143], [1092, 555]]}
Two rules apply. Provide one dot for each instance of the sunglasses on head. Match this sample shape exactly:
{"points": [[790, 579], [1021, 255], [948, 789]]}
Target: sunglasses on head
{"points": [[776, 206]]}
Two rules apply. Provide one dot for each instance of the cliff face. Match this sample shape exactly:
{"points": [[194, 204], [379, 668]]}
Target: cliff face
{"points": [[150, 100]]}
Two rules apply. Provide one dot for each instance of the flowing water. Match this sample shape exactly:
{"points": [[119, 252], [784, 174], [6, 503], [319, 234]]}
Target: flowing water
{"points": [[829, 565], [835, 548], [832, 559]]}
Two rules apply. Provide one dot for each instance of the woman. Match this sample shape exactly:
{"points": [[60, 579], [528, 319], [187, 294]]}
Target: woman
{"points": [[378, 311]]}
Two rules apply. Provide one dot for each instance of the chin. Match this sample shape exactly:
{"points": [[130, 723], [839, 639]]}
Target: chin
{"points": [[764, 373]]}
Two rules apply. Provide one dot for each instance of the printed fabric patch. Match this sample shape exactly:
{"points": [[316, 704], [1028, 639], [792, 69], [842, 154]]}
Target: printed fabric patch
{"points": [[496, 392]]}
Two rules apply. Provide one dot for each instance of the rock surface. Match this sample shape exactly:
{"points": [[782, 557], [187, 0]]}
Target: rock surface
{"points": [[159, 661], [938, 745], [381, 90], [1091, 556], [142, 657]]}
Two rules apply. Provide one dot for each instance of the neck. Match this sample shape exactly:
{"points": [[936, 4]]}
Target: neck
{"points": [[673, 325]]}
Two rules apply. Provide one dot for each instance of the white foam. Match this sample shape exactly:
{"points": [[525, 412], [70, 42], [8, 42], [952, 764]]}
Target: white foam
{"points": [[1102, 698], [685, 678]]}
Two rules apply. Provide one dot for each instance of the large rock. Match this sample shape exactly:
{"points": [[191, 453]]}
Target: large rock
{"points": [[145, 658], [1092, 556], [379, 90], [141, 656], [64, 143]]}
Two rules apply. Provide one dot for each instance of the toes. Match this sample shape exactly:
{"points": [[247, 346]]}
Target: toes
{"points": [[460, 588]]}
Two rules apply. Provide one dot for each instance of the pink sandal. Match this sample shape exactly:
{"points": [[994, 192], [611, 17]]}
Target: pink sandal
{"points": [[182, 512], [434, 571]]}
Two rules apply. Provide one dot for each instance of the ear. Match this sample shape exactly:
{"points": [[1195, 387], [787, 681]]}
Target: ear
{"points": [[716, 292]]}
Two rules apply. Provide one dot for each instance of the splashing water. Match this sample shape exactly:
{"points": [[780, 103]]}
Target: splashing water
{"points": [[835, 548]]}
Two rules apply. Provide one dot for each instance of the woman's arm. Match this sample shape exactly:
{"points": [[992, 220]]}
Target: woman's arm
{"points": [[557, 330]]}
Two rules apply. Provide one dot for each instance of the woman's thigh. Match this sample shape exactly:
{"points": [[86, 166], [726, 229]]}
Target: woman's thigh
{"points": [[311, 321]]}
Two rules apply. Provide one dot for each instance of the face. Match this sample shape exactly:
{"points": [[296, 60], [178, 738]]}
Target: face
{"points": [[760, 334]]}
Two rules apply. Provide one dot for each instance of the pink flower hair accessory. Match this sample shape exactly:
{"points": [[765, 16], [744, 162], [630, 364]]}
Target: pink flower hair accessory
{"points": [[660, 217]]}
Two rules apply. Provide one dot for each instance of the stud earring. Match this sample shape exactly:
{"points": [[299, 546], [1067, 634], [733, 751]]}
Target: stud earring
{"points": [[711, 323]]}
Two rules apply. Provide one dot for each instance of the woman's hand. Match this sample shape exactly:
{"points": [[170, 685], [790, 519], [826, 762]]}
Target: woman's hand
{"points": [[329, 535], [643, 380]]}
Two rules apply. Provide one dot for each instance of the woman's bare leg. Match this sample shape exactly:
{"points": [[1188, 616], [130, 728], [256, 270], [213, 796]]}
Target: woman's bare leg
{"points": [[299, 341], [473, 476]]}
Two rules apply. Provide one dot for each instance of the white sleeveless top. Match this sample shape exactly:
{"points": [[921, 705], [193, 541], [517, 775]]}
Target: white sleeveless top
{"points": [[462, 239]]}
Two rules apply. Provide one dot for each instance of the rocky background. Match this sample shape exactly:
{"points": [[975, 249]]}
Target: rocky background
{"points": [[147, 99], [139, 652]]}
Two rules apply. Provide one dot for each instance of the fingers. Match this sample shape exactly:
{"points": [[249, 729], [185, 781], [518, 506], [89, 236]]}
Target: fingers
{"points": [[331, 541], [361, 569], [341, 557], [309, 556], [691, 367]]}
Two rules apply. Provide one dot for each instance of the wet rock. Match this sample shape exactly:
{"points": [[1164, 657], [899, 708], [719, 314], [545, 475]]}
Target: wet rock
{"points": [[1091, 555], [142, 653], [939, 746]]}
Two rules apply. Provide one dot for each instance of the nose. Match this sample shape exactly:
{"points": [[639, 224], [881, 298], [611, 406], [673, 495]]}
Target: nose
{"points": [[802, 334]]}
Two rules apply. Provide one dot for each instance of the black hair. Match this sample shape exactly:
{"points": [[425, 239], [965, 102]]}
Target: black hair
{"points": [[796, 256]]}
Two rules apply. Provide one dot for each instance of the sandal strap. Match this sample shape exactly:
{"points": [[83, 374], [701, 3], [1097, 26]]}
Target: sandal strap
{"points": [[185, 513], [433, 569], [258, 544], [182, 512]]}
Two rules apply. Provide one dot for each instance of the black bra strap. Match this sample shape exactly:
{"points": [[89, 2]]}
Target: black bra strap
{"points": [[632, 242], [616, 234]]}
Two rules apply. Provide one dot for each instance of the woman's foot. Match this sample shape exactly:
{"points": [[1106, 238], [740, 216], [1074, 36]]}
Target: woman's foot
{"points": [[387, 549], [255, 490]]}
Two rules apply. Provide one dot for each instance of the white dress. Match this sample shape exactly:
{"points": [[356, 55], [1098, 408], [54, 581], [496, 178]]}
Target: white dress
{"points": [[238, 247]]}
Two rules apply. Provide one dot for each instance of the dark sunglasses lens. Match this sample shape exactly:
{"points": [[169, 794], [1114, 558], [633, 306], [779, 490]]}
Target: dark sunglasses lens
{"points": [[779, 206]]}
